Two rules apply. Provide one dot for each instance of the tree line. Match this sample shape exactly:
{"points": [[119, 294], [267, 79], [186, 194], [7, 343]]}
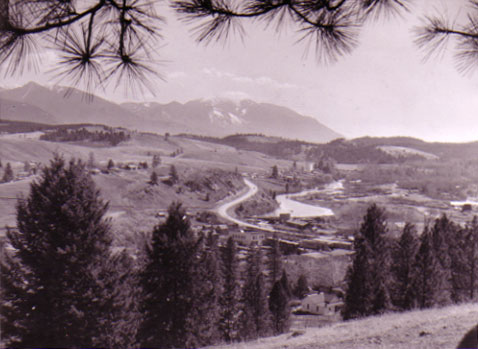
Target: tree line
{"points": [[64, 135], [63, 286], [437, 267]]}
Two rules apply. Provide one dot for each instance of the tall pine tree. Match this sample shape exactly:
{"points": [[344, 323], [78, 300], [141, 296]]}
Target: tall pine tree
{"points": [[302, 287], [167, 282], [368, 277], [428, 277], [203, 322], [122, 321], [279, 306], [53, 292], [274, 262], [470, 258], [403, 267], [229, 297], [442, 233], [8, 174], [255, 317]]}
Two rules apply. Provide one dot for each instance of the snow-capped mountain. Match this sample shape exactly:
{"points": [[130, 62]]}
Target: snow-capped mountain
{"points": [[210, 117]]}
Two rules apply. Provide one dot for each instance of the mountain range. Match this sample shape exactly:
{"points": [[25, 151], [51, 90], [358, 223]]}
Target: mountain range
{"points": [[210, 117]]}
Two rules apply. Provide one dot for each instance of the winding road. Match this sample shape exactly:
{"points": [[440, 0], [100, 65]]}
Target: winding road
{"points": [[286, 202], [224, 208]]}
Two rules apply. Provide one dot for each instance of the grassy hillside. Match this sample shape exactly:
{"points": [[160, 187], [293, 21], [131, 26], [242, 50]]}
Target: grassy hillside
{"points": [[207, 174], [432, 328]]}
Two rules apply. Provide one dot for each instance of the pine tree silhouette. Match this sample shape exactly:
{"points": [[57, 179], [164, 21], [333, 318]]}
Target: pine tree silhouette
{"points": [[167, 282], [229, 298], [403, 268], [53, 292]]}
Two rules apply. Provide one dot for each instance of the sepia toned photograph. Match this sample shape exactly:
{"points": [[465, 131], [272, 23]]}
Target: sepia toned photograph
{"points": [[239, 174]]}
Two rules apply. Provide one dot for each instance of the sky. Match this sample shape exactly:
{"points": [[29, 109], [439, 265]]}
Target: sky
{"points": [[383, 88]]}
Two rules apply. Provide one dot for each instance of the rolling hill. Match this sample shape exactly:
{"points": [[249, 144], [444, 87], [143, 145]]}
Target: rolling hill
{"points": [[218, 118], [426, 329]]}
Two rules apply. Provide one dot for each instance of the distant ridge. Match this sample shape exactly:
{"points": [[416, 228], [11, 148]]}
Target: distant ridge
{"points": [[217, 117]]}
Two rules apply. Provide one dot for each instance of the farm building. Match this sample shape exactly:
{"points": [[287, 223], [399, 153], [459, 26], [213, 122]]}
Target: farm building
{"points": [[322, 304]]}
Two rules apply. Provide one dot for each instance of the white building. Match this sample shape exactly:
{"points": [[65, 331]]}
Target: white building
{"points": [[248, 238], [322, 304]]}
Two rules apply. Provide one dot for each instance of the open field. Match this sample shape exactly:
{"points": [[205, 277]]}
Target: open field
{"points": [[427, 329]]}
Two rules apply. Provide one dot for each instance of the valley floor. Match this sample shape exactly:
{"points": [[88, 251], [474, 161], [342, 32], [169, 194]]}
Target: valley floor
{"points": [[431, 328]]}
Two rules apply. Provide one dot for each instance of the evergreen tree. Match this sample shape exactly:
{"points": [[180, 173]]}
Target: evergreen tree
{"points": [[156, 161], [203, 322], [173, 174], [274, 262], [458, 252], [229, 298], [403, 268], [275, 172], [91, 160], [358, 297], [442, 234], [26, 167], [284, 280], [53, 292], [428, 276], [255, 318], [154, 178], [7, 173], [470, 257], [167, 282], [122, 321], [279, 307], [110, 165], [368, 277], [302, 287]]}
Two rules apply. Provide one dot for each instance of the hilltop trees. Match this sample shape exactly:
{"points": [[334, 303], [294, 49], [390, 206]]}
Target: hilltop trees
{"points": [[437, 268], [53, 292]]}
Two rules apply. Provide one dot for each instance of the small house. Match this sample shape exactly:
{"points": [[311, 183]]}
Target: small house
{"points": [[322, 304]]}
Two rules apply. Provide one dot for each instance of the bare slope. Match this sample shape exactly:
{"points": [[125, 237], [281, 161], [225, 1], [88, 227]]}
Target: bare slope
{"points": [[433, 328]]}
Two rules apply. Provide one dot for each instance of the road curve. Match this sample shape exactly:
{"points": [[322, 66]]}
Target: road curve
{"points": [[223, 209]]}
